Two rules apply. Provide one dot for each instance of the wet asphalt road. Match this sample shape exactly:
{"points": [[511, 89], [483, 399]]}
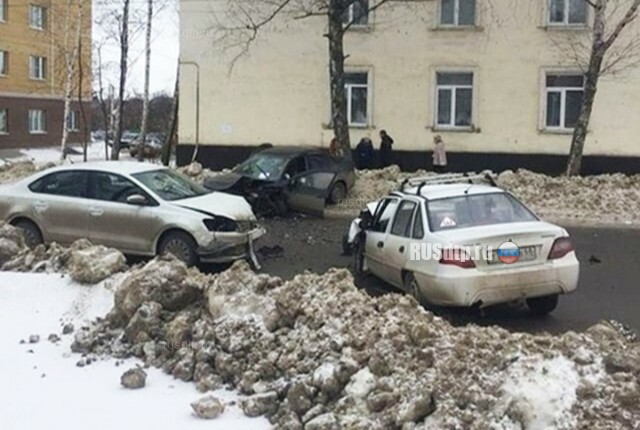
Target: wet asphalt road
{"points": [[609, 286]]}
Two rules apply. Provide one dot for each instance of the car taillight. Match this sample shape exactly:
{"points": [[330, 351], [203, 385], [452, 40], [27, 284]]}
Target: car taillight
{"points": [[561, 247], [459, 258]]}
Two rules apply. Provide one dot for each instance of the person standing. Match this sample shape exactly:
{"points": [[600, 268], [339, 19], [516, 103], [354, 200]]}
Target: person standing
{"points": [[439, 155], [364, 154], [386, 144]]}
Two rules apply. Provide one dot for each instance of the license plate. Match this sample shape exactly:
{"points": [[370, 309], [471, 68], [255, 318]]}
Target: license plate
{"points": [[527, 253]]}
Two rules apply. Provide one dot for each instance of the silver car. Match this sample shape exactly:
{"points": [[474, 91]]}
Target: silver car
{"points": [[139, 208]]}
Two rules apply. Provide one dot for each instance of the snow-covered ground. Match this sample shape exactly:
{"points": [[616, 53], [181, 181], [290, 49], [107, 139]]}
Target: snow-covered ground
{"points": [[42, 387]]}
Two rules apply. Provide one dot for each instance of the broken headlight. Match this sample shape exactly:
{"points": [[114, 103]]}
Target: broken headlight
{"points": [[220, 223]]}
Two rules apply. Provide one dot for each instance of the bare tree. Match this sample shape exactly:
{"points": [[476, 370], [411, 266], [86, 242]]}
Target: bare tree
{"points": [[147, 69], [601, 59], [244, 19], [124, 57], [72, 28], [104, 108], [173, 125]]}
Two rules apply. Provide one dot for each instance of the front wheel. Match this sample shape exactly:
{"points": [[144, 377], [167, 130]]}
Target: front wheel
{"points": [[338, 193], [181, 245], [542, 305]]}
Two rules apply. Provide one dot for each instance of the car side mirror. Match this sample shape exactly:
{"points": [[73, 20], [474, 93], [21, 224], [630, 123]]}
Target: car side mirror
{"points": [[137, 199]]}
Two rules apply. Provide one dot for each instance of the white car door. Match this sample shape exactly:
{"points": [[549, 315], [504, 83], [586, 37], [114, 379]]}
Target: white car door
{"points": [[398, 241], [374, 250]]}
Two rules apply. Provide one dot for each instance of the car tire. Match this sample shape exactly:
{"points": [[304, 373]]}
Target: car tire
{"points": [[338, 193], [347, 247], [181, 245], [542, 305], [412, 288], [30, 231], [358, 258]]}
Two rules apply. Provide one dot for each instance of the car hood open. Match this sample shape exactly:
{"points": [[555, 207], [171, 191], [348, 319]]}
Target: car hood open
{"points": [[217, 203]]}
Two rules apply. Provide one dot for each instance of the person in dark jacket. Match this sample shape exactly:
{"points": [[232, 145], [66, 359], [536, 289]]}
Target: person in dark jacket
{"points": [[386, 143], [364, 154]]}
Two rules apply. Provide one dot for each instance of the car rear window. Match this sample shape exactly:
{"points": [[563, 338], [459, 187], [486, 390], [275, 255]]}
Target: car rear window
{"points": [[476, 210]]}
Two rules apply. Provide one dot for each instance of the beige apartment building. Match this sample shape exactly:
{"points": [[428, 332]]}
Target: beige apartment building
{"points": [[33, 71], [501, 82]]}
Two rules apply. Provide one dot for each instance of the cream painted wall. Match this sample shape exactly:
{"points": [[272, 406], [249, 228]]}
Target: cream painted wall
{"points": [[278, 91]]}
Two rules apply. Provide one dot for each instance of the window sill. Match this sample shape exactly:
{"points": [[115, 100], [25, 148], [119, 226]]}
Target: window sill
{"points": [[38, 79], [38, 132], [36, 28], [360, 28], [328, 126], [445, 129], [457, 28], [561, 131], [4, 133], [565, 27]]}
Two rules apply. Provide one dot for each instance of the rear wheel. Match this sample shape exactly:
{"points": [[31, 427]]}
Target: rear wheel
{"points": [[181, 245], [30, 231], [542, 305], [338, 193], [411, 286]]}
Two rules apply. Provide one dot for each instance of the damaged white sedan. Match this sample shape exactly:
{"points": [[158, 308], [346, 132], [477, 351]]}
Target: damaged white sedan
{"points": [[463, 244], [139, 208]]}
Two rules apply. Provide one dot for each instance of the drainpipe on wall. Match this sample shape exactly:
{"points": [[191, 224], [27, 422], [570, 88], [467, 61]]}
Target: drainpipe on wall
{"points": [[197, 66]]}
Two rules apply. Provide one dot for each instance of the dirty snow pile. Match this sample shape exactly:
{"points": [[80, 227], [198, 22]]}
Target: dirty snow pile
{"points": [[85, 263], [198, 173], [317, 353], [611, 198], [11, 172]]}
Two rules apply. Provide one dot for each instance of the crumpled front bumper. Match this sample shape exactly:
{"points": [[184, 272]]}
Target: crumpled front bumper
{"points": [[226, 247]]}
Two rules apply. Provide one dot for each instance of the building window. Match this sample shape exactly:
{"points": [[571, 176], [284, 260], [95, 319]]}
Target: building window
{"points": [[37, 121], [3, 10], [72, 121], [357, 89], [37, 17], [458, 12], [454, 99], [563, 100], [4, 63], [37, 67], [568, 12], [4, 121], [357, 13]]}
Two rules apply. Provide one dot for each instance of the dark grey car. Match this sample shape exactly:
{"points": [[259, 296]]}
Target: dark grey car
{"points": [[280, 178]]}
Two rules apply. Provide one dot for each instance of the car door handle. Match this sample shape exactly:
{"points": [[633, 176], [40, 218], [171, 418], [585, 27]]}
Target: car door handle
{"points": [[381, 244], [94, 211], [40, 206], [401, 249]]}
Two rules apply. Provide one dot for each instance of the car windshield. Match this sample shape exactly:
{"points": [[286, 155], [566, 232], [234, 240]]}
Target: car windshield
{"points": [[269, 167], [476, 210], [170, 185]]}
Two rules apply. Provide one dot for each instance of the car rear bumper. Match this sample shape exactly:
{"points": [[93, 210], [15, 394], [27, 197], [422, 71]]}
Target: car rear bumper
{"points": [[454, 286], [228, 247]]}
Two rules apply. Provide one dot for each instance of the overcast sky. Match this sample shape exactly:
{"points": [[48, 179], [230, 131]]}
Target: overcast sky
{"points": [[164, 47]]}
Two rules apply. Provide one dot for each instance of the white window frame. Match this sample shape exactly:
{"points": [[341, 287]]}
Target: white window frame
{"points": [[350, 16], [4, 121], [456, 15], [37, 121], [4, 62], [3, 10], [565, 17], [72, 121], [349, 88], [452, 124], [37, 64], [563, 99], [37, 21]]}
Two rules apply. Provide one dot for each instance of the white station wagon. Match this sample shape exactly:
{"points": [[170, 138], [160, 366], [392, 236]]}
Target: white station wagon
{"points": [[443, 213]]}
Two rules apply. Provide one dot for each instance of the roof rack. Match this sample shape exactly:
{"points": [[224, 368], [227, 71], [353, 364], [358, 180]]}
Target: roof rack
{"points": [[449, 178]]}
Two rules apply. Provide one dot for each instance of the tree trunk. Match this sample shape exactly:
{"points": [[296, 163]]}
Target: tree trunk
{"points": [[339, 117], [83, 114], [574, 163], [147, 67], [124, 53], [173, 127]]}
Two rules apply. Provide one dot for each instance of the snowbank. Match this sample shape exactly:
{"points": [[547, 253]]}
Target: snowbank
{"points": [[44, 386], [317, 351]]}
